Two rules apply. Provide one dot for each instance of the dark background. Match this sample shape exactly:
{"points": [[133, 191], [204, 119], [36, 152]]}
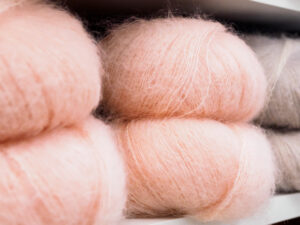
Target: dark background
{"points": [[100, 15]]}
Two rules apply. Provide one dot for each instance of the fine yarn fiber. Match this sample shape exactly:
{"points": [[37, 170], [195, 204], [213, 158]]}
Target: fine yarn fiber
{"points": [[202, 168], [50, 70], [180, 67], [66, 176], [280, 59], [286, 148]]}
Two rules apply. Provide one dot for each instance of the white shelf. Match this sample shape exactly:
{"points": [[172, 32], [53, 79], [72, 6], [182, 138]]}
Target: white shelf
{"points": [[275, 13], [293, 5], [280, 208]]}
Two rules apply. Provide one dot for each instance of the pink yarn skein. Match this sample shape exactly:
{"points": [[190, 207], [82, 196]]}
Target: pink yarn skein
{"points": [[58, 166], [67, 176], [166, 79], [181, 67], [197, 167], [50, 69]]}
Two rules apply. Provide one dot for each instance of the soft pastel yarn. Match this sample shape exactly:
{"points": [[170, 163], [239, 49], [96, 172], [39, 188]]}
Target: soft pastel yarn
{"points": [[180, 67], [280, 59], [8, 4], [67, 176], [286, 148], [198, 167], [50, 69]]}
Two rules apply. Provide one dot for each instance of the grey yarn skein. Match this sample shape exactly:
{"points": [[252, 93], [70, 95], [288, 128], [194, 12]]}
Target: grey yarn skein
{"points": [[280, 58], [286, 148]]}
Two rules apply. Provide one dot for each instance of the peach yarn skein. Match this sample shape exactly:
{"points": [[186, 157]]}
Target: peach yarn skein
{"points": [[202, 168], [50, 69], [181, 67], [66, 176], [163, 77], [50, 77]]}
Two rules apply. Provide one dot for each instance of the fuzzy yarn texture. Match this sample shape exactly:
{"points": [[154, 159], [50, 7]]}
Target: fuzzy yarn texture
{"points": [[280, 59], [50, 69], [8, 4], [286, 148], [180, 67], [66, 176], [202, 168]]}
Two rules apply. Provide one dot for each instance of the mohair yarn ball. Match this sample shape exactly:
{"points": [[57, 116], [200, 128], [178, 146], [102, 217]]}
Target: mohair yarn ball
{"points": [[280, 59], [286, 148], [202, 168], [67, 176], [50, 69], [181, 67]]}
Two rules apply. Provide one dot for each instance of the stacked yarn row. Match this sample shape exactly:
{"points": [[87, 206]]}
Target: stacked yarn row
{"points": [[281, 117], [58, 164], [179, 93]]}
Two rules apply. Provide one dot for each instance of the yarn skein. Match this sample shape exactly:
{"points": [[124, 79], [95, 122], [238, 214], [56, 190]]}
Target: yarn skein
{"points": [[280, 59], [202, 168], [50, 69], [67, 176], [180, 67], [286, 148]]}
